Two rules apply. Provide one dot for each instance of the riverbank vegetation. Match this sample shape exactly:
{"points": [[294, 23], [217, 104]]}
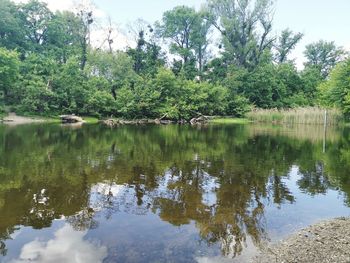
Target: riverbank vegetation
{"points": [[49, 65], [307, 115]]}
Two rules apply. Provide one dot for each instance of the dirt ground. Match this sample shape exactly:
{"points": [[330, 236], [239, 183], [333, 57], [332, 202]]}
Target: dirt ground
{"points": [[325, 242], [13, 119]]}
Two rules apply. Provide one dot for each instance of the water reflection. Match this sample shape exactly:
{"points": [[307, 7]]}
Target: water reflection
{"points": [[217, 184], [66, 246]]}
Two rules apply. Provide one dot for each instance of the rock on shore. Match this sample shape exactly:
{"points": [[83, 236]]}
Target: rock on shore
{"points": [[325, 242], [71, 119]]}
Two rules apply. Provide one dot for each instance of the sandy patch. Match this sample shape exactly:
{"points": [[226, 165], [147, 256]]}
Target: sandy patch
{"points": [[13, 119]]}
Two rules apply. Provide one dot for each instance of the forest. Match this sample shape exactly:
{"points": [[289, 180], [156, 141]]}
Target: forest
{"points": [[49, 64]]}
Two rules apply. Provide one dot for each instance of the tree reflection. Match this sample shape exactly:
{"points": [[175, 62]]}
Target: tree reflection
{"points": [[221, 178]]}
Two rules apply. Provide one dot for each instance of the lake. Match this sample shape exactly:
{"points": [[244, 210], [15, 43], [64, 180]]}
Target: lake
{"points": [[214, 193]]}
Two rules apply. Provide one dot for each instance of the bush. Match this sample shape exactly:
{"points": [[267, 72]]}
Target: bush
{"points": [[37, 99], [238, 106]]}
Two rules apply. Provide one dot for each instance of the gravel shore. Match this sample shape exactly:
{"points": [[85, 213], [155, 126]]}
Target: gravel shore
{"points": [[325, 242]]}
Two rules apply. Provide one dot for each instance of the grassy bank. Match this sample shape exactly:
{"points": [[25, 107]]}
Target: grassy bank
{"points": [[230, 121], [310, 115]]}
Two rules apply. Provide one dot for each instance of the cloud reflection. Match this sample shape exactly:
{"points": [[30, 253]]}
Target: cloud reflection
{"points": [[67, 246]]}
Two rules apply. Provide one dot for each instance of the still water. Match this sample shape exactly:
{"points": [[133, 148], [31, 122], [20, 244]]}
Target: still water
{"points": [[216, 193]]}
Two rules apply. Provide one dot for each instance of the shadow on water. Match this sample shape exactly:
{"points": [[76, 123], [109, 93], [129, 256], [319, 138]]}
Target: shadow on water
{"points": [[164, 193]]}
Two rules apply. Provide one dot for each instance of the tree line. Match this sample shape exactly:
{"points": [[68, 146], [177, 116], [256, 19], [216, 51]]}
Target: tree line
{"points": [[48, 64]]}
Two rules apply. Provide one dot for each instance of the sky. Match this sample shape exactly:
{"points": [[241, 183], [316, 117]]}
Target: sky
{"points": [[316, 19]]}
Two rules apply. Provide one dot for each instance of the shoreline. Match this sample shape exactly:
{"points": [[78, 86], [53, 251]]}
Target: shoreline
{"points": [[326, 241], [13, 119]]}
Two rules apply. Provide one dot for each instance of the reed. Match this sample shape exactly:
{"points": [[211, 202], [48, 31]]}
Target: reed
{"points": [[309, 115]]}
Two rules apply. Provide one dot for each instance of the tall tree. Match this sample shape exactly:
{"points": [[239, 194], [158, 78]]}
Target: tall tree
{"points": [[86, 19], [114, 67], [323, 56], [336, 90], [11, 26], [245, 26], [201, 42], [63, 36], [35, 16], [147, 55], [177, 26], [285, 44], [187, 32], [9, 69]]}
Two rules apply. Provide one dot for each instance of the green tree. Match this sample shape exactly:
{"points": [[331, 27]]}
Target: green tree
{"points": [[289, 77], [147, 56], [63, 39], [187, 32], [138, 101], [323, 56], [34, 92], [245, 27], [83, 33], [336, 90], [286, 42], [261, 86], [35, 17], [311, 78], [178, 25], [9, 71], [11, 27], [71, 89], [215, 71], [116, 68]]}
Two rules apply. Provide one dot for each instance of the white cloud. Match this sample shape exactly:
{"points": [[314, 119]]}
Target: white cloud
{"points": [[70, 5], [60, 5], [347, 47], [54, 5], [67, 246]]}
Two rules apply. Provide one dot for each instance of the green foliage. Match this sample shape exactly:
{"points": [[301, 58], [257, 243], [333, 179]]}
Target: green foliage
{"points": [[245, 27], [147, 56], [269, 85], [215, 70], [2, 110], [62, 38], [323, 56], [261, 86], [55, 70], [9, 69], [285, 44], [116, 68], [311, 78], [187, 31], [336, 90], [35, 17], [180, 25], [138, 101], [11, 29], [37, 98], [100, 103], [238, 106]]}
